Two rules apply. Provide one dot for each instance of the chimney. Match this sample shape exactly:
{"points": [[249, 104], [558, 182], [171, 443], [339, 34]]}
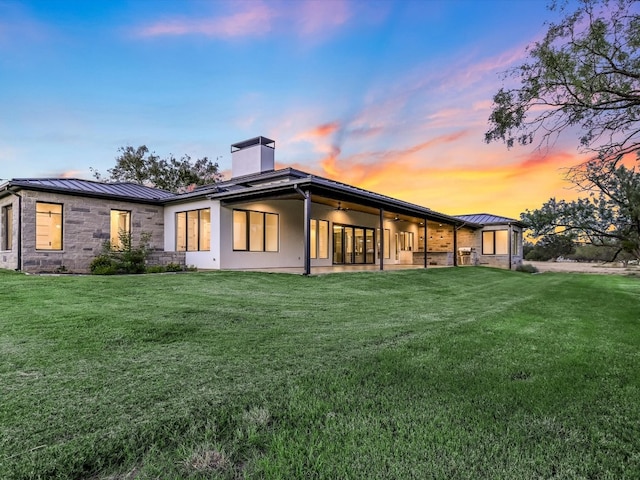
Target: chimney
{"points": [[252, 156]]}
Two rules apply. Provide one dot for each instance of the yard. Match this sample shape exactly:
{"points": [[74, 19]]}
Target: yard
{"points": [[444, 373]]}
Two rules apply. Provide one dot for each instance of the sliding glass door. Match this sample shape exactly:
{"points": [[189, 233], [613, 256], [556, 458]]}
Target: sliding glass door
{"points": [[353, 245]]}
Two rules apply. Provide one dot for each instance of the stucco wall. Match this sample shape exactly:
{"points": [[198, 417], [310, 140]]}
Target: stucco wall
{"points": [[206, 260], [86, 226]]}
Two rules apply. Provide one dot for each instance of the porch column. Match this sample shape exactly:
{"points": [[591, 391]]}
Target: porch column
{"points": [[381, 249], [307, 233], [510, 237], [425, 242], [455, 246]]}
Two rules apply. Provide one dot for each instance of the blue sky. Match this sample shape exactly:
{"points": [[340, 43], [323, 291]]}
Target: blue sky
{"points": [[391, 96]]}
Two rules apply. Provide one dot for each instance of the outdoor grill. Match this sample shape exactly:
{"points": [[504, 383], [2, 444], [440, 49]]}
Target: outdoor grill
{"points": [[464, 255]]}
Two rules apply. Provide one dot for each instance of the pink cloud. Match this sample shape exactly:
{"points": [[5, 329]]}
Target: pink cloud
{"points": [[309, 18], [314, 16], [254, 21]]}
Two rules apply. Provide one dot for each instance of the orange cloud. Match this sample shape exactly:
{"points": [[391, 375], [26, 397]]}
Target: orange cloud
{"points": [[506, 189], [320, 131]]}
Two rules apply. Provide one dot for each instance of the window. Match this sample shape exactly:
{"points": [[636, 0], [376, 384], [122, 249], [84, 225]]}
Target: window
{"points": [[495, 242], [406, 241], [48, 226], [120, 226], [387, 243], [193, 230], [319, 238], [515, 242], [7, 228], [255, 231]]}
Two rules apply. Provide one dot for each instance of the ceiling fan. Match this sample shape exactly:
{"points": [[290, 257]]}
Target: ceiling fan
{"points": [[340, 207]]}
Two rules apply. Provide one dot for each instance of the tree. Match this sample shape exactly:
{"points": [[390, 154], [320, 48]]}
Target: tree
{"points": [[584, 75], [551, 247], [608, 216], [137, 165]]}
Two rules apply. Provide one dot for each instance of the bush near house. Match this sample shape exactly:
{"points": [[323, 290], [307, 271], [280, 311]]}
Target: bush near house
{"points": [[122, 258]]}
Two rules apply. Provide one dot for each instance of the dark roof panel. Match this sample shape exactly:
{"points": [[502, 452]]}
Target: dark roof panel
{"points": [[77, 186], [487, 219]]}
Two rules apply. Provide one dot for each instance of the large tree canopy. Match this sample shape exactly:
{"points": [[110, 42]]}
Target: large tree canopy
{"points": [[138, 165], [584, 73], [583, 76], [608, 216]]}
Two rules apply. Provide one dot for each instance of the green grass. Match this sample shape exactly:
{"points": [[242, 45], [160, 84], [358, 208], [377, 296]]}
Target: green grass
{"points": [[444, 373]]}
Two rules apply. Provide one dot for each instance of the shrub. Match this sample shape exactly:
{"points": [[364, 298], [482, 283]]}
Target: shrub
{"points": [[124, 258], [103, 265], [174, 267], [526, 268], [156, 269]]}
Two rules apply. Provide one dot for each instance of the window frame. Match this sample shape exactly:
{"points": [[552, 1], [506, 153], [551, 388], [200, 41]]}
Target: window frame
{"points": [[263, 228], [515, 243], [7, 228], [406, 241], [316, 252], [343, 253], [127, 231], [493, 242], [38, 203], [182, 219]]}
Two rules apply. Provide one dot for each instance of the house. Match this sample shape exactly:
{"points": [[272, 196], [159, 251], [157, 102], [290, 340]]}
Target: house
{"points": [[261, 218]]}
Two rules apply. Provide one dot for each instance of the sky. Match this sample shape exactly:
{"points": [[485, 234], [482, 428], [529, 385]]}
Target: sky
{"points": [[389, 96]]}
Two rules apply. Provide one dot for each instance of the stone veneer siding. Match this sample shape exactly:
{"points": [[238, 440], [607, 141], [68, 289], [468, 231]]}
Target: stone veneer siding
{"points": [[9, 258], [440, 244], [86, 226]]}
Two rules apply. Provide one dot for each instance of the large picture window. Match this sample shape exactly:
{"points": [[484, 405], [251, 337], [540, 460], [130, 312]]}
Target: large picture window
{"points": [[319, 238], [495, 242], [7, 228], [120, 226], [48, 226], [255, 231], [193, 230]]}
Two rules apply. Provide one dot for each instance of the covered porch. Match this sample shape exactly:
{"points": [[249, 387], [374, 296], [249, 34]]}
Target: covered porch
{"points": [[337, 228]]}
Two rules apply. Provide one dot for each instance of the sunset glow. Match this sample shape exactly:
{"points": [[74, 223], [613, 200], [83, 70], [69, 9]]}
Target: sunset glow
{"points": [[391, 97]]}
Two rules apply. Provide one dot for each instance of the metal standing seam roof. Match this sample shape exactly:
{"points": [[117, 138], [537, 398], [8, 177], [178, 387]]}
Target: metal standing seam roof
{"points": [[130, 191], [488, 219]]}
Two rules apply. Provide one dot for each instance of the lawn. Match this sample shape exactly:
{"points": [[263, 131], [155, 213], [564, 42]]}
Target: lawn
{"points": [[445, 373]]}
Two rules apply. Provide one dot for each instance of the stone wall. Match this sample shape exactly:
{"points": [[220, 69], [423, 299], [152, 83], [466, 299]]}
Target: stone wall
{"points": [[160, 257], [86, 226], [9, 258]]}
